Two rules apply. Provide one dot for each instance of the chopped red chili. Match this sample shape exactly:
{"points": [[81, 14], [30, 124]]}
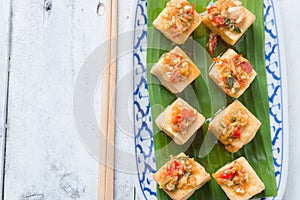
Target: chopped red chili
{"points": [[193, 8], [237, 133], [218, 20], [212, 43], [227, 175], [210, 9]]}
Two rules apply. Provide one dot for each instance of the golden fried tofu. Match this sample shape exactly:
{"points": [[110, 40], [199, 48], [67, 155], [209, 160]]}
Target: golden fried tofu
{"points": [[180, 121], [177, 21], [232, 73], [238, 180], [181, 177], [229, 19], [234, 126], [175, 70]]}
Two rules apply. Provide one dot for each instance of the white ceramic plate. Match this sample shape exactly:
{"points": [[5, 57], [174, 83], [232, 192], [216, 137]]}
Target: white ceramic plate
{"points": [[277, 89]]}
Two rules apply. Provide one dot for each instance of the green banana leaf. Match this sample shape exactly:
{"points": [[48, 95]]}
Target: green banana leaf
{"points": [[207, 98]]}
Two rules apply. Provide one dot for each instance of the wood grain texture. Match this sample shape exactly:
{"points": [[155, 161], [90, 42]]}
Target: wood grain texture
{"points": [[53, 175], [291, 41], [45, 159], [5, 32]]}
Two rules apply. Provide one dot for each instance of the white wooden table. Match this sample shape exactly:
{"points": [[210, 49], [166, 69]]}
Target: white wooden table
{"points": [[44, 158], [42, 51]]}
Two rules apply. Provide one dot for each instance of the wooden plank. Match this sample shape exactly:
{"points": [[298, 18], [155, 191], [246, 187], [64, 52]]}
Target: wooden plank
{"points": [[291, 42], [45, 158], [5, 16]]}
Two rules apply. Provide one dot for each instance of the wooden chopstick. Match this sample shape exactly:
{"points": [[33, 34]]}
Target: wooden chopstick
{"points": [[106, 168], [112, 89]]}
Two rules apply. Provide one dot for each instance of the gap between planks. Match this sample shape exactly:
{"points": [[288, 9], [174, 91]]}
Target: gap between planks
{"points": [[8, 5]]}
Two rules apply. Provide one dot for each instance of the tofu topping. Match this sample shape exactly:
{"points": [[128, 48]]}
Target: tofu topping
{"points": [[182, 118], [232, 124], [178, 174], [227, 14], [212, 43], [235, 177], [179, 17], [235, 72], [175, 67]]}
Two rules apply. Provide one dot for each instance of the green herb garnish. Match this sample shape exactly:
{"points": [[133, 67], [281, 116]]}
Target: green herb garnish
{"points": [[227, 21], [236, 29]]}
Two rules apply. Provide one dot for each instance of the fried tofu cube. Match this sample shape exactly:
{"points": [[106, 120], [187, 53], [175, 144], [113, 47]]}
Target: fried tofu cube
{"points": [[175, 70], [238, 180], [180, 121], [234, 126], [177, 21], [229, 19], [232, 73], [181, 177]]}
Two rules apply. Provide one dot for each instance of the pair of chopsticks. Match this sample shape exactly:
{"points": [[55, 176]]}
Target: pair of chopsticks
{"points": [[106, 164]]}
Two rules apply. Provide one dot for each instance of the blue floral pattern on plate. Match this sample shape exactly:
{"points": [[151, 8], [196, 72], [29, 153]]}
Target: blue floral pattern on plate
{"points": [[144, 144]]}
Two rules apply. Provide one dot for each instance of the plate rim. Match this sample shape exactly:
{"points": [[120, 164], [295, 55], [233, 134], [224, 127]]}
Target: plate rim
{"points": [[284, 85]]}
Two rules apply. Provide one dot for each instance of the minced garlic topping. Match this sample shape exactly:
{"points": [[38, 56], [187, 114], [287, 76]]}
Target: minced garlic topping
{"points": [[227, 14], [175, 67], [232, 124], [182, 118], [234, 72], [235, 177], [179, 17], [179, 173]]}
